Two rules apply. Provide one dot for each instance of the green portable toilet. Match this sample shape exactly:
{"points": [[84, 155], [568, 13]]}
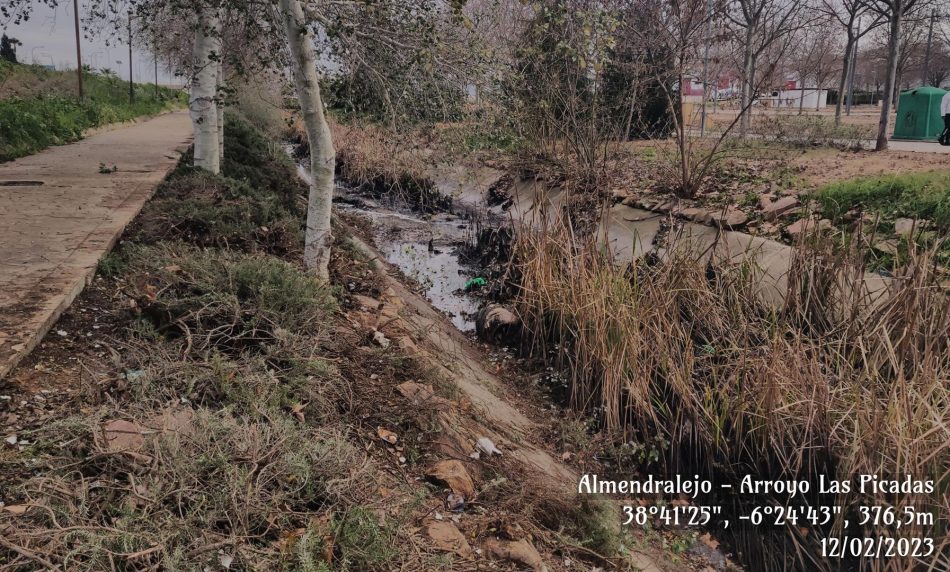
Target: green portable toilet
{"points": [[918, 114]]}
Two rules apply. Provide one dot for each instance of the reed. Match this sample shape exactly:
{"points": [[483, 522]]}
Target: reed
{"points": [[681, 352]]}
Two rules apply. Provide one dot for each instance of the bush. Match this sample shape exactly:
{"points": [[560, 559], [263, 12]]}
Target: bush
{"points": [[254, 205], [217, 477], [209, 210], [812, 131], [32, 119], [224, 300], [250, 158]]}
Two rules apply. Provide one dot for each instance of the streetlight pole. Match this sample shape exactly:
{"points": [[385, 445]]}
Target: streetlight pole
{"points": [[78, 48], [131, 85]]}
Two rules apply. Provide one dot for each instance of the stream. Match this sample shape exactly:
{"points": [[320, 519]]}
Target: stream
{"points": [[424, 247]]}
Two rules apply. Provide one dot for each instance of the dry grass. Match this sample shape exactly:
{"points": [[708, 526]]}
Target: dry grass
{"points": [[680, 357], [381, 163]]}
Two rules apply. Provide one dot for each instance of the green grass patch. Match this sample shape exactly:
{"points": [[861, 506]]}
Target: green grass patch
{"points": [[914, 195], [45, 111]]}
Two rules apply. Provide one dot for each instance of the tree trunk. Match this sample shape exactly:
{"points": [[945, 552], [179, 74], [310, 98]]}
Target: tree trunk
{"points": [[893, 49], [322, 155], [748, 82], [201, 103], [895, 96], [220, 107], [843, 80]]}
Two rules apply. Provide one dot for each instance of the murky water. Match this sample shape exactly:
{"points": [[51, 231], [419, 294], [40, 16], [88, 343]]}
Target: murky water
{"points": [[425, 250], [423, 247]]}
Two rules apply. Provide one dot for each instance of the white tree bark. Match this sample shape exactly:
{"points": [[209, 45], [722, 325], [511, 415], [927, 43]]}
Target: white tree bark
{"points": [[201, 103], [220, 108], [322, 155]]}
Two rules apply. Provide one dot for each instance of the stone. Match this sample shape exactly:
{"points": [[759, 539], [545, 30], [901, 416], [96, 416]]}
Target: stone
{"points": [[366, 302], [905, 226], [122, 435], [407, 346], [520, 551], [422, 395], [887, 247], [691, 213], [780, 207], [731, 218], [497, 323], [452, 474], [381, 339], [798, 227], [447, 537]]}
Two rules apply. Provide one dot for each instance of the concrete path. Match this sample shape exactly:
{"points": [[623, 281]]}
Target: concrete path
{"points": [[59, 215], [916, 146]]}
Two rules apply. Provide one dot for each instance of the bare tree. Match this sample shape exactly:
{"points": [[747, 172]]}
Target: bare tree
{"points": [[857, 19], [939, 70], [668, 33], [816, 57], [760, 26], [894, 11]]}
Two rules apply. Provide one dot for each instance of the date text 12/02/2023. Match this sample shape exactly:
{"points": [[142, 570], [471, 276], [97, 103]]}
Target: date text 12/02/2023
{"points": [[854, 520]]}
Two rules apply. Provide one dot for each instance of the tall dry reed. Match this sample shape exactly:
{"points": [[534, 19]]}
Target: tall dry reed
{"points": [[836, 383]]}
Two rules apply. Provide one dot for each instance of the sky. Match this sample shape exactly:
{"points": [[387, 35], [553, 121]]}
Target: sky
{"points": [[49, 38]]}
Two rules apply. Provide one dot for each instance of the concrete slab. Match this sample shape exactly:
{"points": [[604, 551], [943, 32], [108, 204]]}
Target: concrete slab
{"points": [[59, 215]]}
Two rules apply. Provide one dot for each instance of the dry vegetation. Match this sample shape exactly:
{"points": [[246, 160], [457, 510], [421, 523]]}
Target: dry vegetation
{"points": [[680, 361]]}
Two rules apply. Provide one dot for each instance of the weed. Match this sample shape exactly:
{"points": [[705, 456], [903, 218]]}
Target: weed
{"points": [[811, 131], [913, 195], [220, 477], [224, 300], [363, 539], [38, 109]]}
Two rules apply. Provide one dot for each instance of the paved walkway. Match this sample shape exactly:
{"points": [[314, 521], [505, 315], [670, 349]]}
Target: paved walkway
{"points": [[916, 146], [59, 215]]}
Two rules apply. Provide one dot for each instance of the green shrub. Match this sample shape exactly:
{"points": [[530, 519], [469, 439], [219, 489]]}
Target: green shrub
{"points": [[363, 540], [210, 210], [249, 157], [224, 300]]}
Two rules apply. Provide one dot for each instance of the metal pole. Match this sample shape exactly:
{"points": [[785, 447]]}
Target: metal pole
{"points": [[78, 48], [702, 121], [930, 38], [131, 85], [854, 63]]}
